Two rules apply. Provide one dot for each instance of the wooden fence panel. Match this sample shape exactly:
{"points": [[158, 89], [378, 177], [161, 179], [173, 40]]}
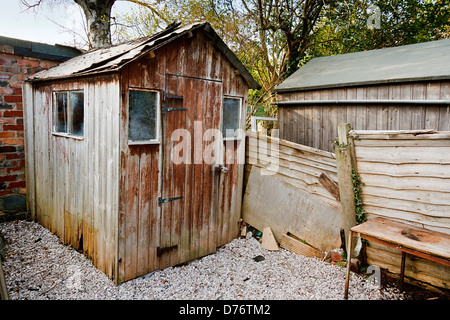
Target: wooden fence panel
{"points": [[289, 190], [406, 176]]}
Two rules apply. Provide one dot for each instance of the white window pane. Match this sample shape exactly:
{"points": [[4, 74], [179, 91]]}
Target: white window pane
{"points": [[60, 112], [76, 113], [231, 116]]}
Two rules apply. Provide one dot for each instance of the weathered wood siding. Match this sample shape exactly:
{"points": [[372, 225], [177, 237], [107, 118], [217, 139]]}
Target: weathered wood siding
{"points": [[284, 192], [316, 125], [100, 194], [74, 189], [189, 67], [406, 178]]}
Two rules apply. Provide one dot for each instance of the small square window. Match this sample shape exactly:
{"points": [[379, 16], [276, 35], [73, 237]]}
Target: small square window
{"points": [[76, 127], [143, 116], [68, 113], [231, 117]]}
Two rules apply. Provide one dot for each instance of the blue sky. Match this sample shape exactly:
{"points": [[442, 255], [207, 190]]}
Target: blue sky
{"points": [[15, 22]]}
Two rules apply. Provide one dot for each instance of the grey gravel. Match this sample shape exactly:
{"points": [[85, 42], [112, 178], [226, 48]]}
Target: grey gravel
{"points": [[39, 266]]}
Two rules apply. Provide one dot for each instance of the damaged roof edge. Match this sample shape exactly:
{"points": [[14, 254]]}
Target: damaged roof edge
{"points": [[114, 63]]}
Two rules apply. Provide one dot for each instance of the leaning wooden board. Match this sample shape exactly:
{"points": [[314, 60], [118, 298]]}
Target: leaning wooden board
{"points": [[271, 201]]}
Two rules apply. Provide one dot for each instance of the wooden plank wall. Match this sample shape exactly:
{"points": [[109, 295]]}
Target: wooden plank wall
{"points": [[315, 125], [299, 165], [76, 180], [406, 178], [288, 176]]}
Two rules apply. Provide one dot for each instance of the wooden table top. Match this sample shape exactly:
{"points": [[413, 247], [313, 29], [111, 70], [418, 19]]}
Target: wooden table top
{"points": [[423, 240]]}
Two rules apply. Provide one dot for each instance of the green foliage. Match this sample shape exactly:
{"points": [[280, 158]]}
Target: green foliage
{"points": [[274, 38], [359, 210], [344, 29]]}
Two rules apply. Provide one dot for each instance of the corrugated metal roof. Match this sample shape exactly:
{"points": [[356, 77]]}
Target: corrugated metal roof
{"points": [[415, 62], [115, 57], [39, 50]]}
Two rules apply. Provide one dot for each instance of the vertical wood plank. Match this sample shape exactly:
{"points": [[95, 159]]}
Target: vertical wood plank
{"points": [[444, 111], [432, 112], [372, 111], [123, 184], [189, 183], [300, 124], [132, 213], [197, 205], [418, 112], [361, 110], [30, 174], [206, 183], [383, 110], [405, 111], [179, 171], [351, 109], [143, 226], [309, 121], [344, 174], [317, 124]]}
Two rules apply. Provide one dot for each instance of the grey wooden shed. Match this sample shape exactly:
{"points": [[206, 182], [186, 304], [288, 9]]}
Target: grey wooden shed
{"points": [[398, 88]]}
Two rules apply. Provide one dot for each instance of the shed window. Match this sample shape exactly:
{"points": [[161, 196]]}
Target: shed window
{"points": [[143, 113], [231, 117], [68, 113]]}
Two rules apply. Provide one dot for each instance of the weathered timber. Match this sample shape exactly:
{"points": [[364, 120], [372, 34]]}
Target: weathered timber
{"points": [[344, 173], [405, 177], [289, 243], [99, 191]]}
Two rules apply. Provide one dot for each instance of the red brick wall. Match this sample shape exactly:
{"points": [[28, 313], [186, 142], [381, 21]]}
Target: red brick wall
{"points": [[13, 70]]}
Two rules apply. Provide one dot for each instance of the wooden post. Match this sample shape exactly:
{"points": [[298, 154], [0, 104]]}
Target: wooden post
{"points": [[3, 288], [28, 111], [349, 258], [344, 174]]}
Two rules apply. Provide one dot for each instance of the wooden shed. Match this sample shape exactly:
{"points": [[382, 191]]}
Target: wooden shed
{"points": [[126, 160], [399, 88]]}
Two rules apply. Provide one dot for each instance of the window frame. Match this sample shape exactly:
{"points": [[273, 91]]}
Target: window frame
{"points": [[66, 134], [157, 140], [238, 136]]}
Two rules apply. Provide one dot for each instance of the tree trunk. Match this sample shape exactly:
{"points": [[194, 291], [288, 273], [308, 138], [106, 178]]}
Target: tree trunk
{"points": [[98, 16]]}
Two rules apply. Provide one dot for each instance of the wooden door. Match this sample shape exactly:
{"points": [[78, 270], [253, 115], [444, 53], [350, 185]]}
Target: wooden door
{"points": [[191, 107]]}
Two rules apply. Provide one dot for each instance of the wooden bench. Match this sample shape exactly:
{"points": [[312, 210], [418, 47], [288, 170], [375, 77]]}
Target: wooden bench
{"points": [[427, 244]]}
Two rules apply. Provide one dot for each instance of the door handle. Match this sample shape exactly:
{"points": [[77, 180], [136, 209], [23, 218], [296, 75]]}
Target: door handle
{"points": [[219, 167]]}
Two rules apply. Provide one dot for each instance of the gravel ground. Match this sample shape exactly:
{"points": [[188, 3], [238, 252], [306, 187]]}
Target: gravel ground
{"points": [[38, 266]]}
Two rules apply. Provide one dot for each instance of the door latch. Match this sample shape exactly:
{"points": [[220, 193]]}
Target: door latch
{"points": [[219, 167], [164, 200], [168, 109]]}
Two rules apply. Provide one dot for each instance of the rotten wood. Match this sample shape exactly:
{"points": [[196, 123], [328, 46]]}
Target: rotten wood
{"points": [[330, 185], [431, 245], [289, 243], [344, 174]]}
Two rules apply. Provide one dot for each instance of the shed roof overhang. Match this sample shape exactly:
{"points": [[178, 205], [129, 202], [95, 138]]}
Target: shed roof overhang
{"points": [[427, 61], [113, 58]]}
